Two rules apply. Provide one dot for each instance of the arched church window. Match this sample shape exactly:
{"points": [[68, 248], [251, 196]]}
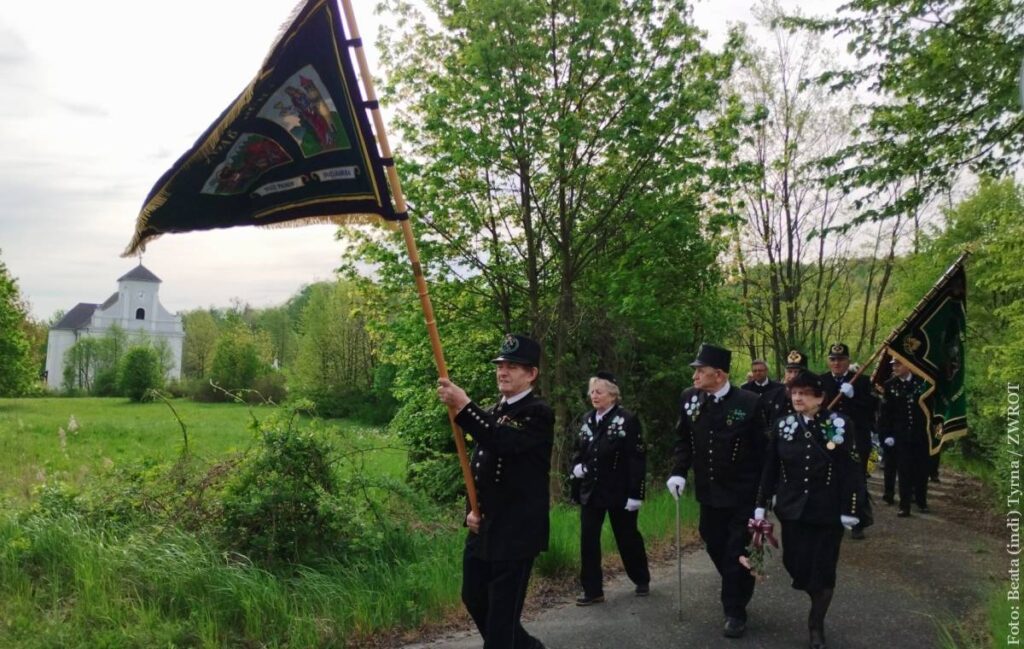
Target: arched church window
{"points": [[140, 314]]}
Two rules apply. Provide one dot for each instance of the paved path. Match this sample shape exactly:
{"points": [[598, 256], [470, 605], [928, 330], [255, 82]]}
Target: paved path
{"points": [[893, 590]]}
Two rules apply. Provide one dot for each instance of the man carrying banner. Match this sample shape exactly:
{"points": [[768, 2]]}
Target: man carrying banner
{"points": [[903, 429], [857, 402], [721, 434], [778, 403], [510, 466], [929, 345]]}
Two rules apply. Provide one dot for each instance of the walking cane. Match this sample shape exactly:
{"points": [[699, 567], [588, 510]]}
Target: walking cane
{"points": [[679, 563]]}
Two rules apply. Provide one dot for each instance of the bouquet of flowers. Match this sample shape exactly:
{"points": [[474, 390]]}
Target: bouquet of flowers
{"points": [[761, 538]]}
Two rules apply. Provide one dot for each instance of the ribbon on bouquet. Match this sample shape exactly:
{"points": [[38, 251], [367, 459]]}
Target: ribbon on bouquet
{"points": [[761, 531]]}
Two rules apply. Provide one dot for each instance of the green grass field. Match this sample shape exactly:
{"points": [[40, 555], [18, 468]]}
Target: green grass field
{"points": [[69, 582], [114, 431]]}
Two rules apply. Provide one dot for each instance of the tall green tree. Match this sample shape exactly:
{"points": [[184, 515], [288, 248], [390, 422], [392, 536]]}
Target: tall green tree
{"points": [[240, 357], [544, 142], [334, 362], [16, 367], [282, 329], [139, 372], [942, 81], [201, 334]]}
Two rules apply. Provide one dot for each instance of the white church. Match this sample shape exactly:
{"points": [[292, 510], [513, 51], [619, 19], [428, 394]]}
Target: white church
{"points": [[135, 308]]}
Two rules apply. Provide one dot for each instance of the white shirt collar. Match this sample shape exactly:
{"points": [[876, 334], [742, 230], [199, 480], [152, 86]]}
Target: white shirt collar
{"points": [[517, 397], [722, 392], [601, 413], [766, 382], [906, 379]]}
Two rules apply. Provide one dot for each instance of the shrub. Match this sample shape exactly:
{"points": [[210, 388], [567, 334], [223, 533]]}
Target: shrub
{"points": [[139, 372], [237, 361], [285, 503], [106, 383], [269, 387], [180, 388]]}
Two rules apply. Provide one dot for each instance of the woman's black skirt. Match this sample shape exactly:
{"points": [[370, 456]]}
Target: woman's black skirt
{"points": [[810, 554]]}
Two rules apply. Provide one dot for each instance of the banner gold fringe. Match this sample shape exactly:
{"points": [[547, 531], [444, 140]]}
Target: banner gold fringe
{"points": [[139, 245]]}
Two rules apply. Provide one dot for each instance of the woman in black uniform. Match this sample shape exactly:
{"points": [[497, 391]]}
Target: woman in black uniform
{"points": [[609, 469], [812, 469]]}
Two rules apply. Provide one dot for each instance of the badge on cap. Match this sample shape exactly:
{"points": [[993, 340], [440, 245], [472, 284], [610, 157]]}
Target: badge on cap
{"points": [[510, 344], [837, 349], [794, 357]]}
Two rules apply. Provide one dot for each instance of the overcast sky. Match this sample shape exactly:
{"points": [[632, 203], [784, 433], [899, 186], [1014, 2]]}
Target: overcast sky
{"points": [[101, 97]]}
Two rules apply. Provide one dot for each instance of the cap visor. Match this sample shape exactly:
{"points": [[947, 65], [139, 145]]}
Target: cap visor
{"points": [[512, 359]]}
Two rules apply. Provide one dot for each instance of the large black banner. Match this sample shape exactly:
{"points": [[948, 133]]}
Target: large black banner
{"points": [[294, 147], [931, 343]]}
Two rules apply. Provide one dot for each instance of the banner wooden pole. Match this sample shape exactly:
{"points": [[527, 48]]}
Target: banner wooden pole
{"points": [[410, 244]]}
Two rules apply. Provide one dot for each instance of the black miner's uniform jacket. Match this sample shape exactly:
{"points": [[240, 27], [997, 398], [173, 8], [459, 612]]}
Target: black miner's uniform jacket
{"points": [[613, 459], [511, 465], [724, 444], [767, 389], [811, 483], [900, 416], [777, 404]]}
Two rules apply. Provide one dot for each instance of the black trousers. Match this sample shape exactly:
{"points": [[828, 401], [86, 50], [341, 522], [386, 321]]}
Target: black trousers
{"points": [[914, 466], [494, 592], [627, 537], [891, 456], [724, 531]]}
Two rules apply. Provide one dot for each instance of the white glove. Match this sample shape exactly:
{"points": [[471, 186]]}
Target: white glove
{"points": [[759, 514], [577, 471], [889, 441], [847, 390], [675, 485], [632, 504], [848, 521]]}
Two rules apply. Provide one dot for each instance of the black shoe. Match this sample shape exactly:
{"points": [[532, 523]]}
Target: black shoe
{"points": [[888, 499], [587, 600], [935, 479], [903, 513], [923, 509], [817, 639], [643, 590], [734, 627], [857, 533]]}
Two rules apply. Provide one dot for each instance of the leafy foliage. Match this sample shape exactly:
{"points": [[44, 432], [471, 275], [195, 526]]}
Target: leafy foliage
{"points": [[944, 76], [239, 358], [990, 223], [548, 147], [201, 333], [16, 367], [334, 366], [139, 372]]}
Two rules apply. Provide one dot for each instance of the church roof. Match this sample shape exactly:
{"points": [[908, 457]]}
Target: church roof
{"points": [[77, 317], [110, 300], [139, 274]]}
